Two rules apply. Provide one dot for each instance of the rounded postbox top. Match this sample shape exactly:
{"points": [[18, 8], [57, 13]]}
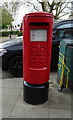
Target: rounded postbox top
{"points": [[45, 14]]}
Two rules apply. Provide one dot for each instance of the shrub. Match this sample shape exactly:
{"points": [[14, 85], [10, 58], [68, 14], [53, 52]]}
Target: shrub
{"points": [[7, 33], [20, 33], [14, 32]]}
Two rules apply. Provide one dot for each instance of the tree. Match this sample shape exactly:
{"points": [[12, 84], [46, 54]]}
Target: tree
{"points": [[56, 7], [11, 7], [0, 18], [6, 18], [71, 9]]}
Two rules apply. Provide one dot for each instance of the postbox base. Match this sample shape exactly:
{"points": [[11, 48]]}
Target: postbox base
{"points": [[35, 94]]}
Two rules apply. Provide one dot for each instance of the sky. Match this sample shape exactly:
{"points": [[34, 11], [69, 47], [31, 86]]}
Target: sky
{"points": [[22, 11]]}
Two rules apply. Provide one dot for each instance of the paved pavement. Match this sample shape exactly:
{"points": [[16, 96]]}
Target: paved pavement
{"points": [[2, 39], [13, 106], [59, 104]]}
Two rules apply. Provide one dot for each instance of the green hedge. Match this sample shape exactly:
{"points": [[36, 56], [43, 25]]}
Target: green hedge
{"points": [[7, 33], [20, 33]]}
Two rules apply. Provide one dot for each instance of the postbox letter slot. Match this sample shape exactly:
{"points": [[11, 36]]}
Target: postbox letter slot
{"points": [[39, 24]]}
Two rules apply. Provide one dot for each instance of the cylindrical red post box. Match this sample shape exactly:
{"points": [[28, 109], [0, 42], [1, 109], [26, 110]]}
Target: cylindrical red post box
{"points": [[37, 43]]}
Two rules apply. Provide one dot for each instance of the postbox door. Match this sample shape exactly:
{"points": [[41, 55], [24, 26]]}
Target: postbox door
{"points": [[38, 55], [38, 65]]}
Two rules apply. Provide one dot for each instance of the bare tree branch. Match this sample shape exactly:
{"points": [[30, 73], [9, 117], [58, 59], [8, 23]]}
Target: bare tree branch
{"points": [[56, 8], [33, 6], [11, 7], [64, 14], [38, 1], [63, 7]]}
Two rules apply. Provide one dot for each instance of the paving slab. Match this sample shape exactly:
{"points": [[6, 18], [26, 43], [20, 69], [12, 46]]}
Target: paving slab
{"points": [[47, 110], [12, 83], [58, 105], [25, 110], [59, 113], [11, 89], [53, 108], [0, 96], [60, 100], [9, 99], [0, 103]]}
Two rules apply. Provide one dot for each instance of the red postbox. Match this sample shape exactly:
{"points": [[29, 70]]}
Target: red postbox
{"points": [[37, 43]]}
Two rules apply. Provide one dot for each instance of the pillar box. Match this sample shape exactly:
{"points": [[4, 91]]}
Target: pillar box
{"points": [[37, 44]]}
